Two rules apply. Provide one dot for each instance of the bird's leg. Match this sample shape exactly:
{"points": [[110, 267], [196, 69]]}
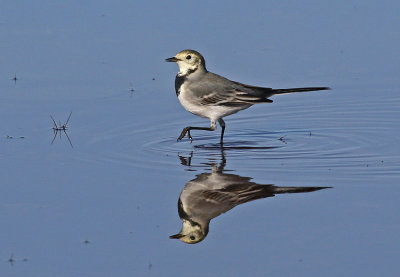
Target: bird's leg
{"points": [[222, 123], [187, 130], [183, 133]]}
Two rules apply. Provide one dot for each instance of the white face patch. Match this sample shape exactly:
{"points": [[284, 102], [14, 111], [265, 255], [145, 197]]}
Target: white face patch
{"points": [[185, 68], [189, 62]]}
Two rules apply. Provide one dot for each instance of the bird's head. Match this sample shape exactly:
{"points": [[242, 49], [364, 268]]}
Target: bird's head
{"points": [[189, 61]]}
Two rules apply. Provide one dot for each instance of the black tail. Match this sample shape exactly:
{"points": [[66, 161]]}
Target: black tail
{"points": [[252, 191], [291, 90]]}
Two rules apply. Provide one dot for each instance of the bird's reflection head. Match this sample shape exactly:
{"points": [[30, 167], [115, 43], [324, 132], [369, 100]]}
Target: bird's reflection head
{"points": [[191, 233], [193, 237]]}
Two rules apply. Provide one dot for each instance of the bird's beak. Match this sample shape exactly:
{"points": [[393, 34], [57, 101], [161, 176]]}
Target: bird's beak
{"points": [[173, 59], [177, 236]]}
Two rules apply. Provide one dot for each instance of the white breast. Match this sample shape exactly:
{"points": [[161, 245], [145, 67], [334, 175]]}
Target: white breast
{"points": [[191, 104], [213, 112]]}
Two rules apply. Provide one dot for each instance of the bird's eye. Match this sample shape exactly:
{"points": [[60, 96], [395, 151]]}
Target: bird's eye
{"points": [[192, 238], [188, 57]]}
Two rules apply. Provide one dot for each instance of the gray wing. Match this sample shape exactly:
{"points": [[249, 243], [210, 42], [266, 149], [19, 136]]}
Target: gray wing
{"points": [[212, 203], [213, 89], [236, 194]]}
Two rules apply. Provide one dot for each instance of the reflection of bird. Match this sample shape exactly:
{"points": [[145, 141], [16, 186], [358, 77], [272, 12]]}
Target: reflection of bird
{"points": [[209, 95], [211, 194]]}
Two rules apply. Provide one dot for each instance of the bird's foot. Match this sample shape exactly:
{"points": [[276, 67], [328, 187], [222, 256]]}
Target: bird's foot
{"points": [[183, 134]]}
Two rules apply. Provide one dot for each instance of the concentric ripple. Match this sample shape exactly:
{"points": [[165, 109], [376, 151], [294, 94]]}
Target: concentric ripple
{"points": [[347, 137]]}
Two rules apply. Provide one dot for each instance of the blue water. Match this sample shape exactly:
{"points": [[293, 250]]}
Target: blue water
{"points": [[107, 205]]}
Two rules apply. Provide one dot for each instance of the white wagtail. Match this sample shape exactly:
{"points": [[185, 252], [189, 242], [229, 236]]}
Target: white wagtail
{"points": [[211, 194], [212, 96]]}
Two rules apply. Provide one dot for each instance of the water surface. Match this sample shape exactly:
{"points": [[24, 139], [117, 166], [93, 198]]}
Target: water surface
{"points": [[107, 205]]}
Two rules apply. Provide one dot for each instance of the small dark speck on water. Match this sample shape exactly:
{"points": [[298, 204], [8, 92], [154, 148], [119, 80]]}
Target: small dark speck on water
{"points": [[11, 259], [150, 266], [15, 79], [86, 241], [154, 79]]}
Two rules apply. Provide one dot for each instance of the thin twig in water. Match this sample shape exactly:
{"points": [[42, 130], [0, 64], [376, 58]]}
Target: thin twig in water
{"points": [[11, 137]]}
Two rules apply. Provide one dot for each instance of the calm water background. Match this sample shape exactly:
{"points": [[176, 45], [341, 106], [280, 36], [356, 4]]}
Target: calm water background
{"points": [[118, 187]]}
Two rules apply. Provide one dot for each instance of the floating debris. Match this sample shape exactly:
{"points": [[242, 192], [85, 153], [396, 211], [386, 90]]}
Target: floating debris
{"points": [[59, 128], [11, 260], [282, 138]]}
